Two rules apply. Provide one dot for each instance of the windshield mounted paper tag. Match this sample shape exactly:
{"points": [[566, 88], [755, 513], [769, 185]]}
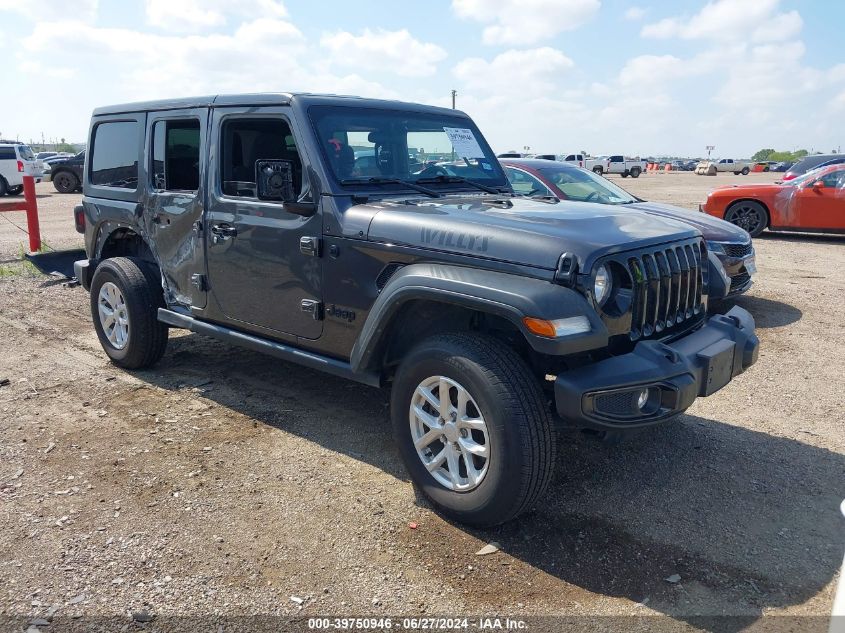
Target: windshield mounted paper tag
{"points": [[463, 142]]}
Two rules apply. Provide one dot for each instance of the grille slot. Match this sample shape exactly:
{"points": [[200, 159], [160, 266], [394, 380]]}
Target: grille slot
{"points": [[667, 288], [386, 273], [739, 280], [737, 250]]}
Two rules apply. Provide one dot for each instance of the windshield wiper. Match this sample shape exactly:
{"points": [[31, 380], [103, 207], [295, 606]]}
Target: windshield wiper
{"points": [[460, 179], [375, 180]]}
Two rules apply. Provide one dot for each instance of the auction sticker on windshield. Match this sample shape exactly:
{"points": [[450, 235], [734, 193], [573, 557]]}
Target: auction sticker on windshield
{"points": [[463, 142]]}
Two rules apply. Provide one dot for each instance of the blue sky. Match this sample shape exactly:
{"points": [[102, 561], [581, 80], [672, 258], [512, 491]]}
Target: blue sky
{"points": [[605, 76]]}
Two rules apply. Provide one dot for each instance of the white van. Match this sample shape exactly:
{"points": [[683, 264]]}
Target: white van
{"points": [[17, 161]]}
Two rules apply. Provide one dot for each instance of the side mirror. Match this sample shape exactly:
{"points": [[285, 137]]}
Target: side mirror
{"points": [[818, 184], [274, 180]]}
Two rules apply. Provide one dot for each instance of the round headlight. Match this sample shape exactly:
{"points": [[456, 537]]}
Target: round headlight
{"points": [[602, 284]]}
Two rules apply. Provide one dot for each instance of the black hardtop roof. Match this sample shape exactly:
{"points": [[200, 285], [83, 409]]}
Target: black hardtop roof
{"points": [[268, 99]]}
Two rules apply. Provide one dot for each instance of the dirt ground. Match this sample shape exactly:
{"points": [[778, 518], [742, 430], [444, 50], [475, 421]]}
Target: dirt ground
{"points": [[226, 483]]}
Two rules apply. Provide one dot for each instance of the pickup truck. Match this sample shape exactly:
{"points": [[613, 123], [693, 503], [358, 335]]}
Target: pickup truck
{"points": [[623, 165], [489, 318], [712, 167]]}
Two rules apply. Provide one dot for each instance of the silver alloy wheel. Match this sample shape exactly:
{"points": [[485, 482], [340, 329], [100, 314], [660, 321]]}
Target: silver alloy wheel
{"points": [[114, 316], [449, 433]]}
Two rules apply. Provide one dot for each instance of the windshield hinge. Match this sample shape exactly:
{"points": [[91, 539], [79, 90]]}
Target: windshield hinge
{"points": [[313, 307], [309, 245]]}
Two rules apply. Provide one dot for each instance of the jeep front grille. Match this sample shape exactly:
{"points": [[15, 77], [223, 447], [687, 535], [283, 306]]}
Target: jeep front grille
{"points": [[667, 287]]}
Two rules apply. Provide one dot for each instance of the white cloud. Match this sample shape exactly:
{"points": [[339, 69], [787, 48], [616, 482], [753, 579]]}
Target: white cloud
{"points": [[524, 22], [381, 50], [635, 13], [196, 15], [651, 69], [730, 20], [527, 71], [85, 10]]}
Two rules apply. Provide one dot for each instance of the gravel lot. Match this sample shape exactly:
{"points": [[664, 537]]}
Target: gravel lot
{"points": [[225, 483]]}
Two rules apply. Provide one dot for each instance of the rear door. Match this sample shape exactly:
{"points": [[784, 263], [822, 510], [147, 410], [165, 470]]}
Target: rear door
{"points": [[175, 164], [262, 275]]}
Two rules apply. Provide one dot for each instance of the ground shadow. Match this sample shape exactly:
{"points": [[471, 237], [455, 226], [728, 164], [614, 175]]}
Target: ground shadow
{"points": [[767, 313], [817, 238], [748, 520]]}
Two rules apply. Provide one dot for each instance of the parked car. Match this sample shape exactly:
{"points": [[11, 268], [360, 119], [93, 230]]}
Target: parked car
{"points": [[45, 155], [511, 155], [807, 163], [730, 165], [618, 164], [17, 161], [812, 202], [543, 156], [782, 166], [731, 245], [484, 312], [66, 173]]}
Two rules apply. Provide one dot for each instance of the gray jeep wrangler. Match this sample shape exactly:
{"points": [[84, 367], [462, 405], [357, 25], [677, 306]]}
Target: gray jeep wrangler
{"points": [[380, 241]]}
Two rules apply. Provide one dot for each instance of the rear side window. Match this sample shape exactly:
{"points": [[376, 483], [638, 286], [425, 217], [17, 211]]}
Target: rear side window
{"points": [[25, 152], [114, 159], [176, 155], [7, 153]]}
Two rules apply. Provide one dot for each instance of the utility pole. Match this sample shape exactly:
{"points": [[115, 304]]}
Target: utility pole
{"points": [[454, 94]]}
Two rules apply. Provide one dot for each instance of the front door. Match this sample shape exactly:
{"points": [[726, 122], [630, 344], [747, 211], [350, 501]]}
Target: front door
{"points": [[174, 202], [822, 205], [258, 273]]}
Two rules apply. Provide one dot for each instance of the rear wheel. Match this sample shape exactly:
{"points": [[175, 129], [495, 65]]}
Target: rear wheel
{"points": [[472, 427], [635, 172], [4, 188], [15, 191], [125, 298], [65, 182], [748, 215], [745, 171], [598, 170]]}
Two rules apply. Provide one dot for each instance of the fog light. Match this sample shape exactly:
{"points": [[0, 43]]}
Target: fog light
{"points": [[642, 399]]}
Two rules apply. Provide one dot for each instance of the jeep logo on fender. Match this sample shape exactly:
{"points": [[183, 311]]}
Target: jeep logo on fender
{"points": [[464, 241], [340, 313]]}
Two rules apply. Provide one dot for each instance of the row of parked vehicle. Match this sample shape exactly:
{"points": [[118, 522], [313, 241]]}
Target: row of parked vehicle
{"points": [[18, 160], [614, 164]]}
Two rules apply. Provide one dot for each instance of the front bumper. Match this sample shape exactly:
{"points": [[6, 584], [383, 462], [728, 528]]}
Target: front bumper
{"points": [[607, 395]]}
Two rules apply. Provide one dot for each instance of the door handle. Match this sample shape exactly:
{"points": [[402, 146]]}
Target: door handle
{"points": [[224, 230]]}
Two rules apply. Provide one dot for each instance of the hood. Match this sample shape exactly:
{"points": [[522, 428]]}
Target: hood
{"points": [[520, 230], [711, 228]]}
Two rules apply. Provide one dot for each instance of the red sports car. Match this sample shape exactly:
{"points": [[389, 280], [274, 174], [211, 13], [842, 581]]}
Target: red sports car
{"points": [[812, 202]]}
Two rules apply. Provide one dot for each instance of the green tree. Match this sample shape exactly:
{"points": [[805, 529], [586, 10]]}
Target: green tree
{"points": [[763, 154]]}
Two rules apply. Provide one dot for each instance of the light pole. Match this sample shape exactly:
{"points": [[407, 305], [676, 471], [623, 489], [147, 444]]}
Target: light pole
{"points": [[454, 94]]}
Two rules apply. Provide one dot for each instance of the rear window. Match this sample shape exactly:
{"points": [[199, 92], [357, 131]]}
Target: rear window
{"points": [[25, 152], [114, 160]]}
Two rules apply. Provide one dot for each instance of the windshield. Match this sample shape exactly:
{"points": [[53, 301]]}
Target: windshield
{"points": [[369, 145], [25, 152], [805, 178], [585, 186]]}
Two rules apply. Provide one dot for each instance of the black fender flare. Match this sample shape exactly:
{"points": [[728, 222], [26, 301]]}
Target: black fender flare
{"points": [[503, 294]]}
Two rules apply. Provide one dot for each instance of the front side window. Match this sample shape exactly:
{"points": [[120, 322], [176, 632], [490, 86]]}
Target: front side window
{"points": [[7, 153], [360, 144], [525, 184], [247, 141], [176, 155], [585, 186], [114, 158]]}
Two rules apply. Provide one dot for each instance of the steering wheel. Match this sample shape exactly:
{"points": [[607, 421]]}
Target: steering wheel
{"points": [[593, 195]]}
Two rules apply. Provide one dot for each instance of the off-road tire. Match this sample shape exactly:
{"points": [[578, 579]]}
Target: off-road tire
{"points": [[65, 182], [520, 430], [141, 289]]}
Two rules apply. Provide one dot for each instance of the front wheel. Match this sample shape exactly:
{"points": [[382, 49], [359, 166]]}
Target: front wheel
{"points": [[625, 173], [125, 298], [473, 429], [598, 170], [748, 215]]}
